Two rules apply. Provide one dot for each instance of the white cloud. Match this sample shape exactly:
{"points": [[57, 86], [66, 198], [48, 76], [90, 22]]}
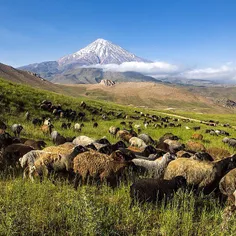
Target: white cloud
{"points": [[159, 69], [224, 72], [154, 68]]}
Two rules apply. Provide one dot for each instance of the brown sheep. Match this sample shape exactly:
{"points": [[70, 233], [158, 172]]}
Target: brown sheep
{"points": [[218, 153], [37, 145], [47, 129], [228, 186], [197, 136], [195, 146], [58, 149], [99, 166], [57, 162], [124, 135], [201, 174], [183, 154], [67, 145]]}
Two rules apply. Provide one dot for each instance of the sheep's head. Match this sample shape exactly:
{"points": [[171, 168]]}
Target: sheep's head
{"points": [[106, 149], [79, 149], [170, 157], [102, 141], [91, 146], [119, 144], [41, 143], [150, 149], [122, 157]]}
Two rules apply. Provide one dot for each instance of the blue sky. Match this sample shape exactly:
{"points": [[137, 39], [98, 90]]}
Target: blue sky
{"points": [[194, 33]]}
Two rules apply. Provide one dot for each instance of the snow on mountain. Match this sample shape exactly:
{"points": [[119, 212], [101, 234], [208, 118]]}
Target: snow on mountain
{"points": [[101, 52]]}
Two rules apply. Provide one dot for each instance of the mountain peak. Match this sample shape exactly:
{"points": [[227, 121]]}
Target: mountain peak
{"points": [[100, 40], [100, 51]]}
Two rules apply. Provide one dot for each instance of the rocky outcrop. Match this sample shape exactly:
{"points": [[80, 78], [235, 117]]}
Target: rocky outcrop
{"points": [[107, 82]]}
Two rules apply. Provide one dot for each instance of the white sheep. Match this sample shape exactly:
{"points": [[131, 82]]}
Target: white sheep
{"points": [[78, 127], [137, 142], [83, 140], [47, 121], [54, 135], [156, 167], [28, 160]]}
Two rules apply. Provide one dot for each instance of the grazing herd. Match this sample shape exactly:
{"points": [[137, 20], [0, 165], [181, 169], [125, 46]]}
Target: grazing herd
{"points": [[170, 163]]}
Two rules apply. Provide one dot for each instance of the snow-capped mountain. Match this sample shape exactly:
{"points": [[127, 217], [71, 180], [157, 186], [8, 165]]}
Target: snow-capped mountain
{"points": [[71, 68], [100, 51]]}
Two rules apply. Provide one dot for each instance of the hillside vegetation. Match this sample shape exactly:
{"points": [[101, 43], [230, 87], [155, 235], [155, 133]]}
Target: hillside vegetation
{"points": [[138, 94], [47, 209]]}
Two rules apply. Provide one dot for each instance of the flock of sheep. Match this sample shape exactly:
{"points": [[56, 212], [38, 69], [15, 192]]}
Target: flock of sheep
{"points": [[170, 164]]}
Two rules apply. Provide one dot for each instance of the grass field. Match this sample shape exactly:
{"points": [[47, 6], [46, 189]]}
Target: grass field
{"points": [[46, 209]]}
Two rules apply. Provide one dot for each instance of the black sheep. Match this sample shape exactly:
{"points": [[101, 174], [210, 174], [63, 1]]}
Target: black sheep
{"points": [[154, 190]]}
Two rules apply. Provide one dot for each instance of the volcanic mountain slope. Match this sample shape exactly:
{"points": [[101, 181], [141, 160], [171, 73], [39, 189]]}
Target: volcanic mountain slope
{"points": [[94, 76], [73, 68], [101, 52]]}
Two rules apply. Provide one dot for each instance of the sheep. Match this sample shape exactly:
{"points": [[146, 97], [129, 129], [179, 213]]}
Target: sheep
{"points": [[83, 140], [113, 130], [67, 145], [137, 142], [195, 146], [156, 167], [47, 129], [146, 151], [146, 138], [95, 125], [168, 136], [27, 162], [108, 148], [59, 149], [16, 129], [183, 154], [218, 153], [230, 141], [203, 175], [47, 121], [13, 152], [174, 146], [54, 135], [124, 135], [97, 165], [195, 128], [37, 145], [36, 121], [78, 127], [227, 186], [154, 190], [83, 104], [60, 140], [57, 162], [5, 140], [202, 156], [197, 136]]}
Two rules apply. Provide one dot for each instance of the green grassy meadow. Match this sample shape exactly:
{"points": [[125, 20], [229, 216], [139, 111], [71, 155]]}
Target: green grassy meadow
{"points": [[46, 209]]}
